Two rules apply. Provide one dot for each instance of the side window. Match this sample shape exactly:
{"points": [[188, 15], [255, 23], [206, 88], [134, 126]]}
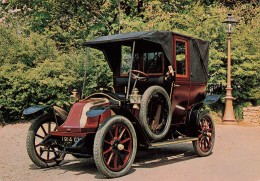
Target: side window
{"points": [[126, 60], [181, 57]]}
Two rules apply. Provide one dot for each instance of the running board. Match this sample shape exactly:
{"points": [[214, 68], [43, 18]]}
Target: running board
{"points": [[173, 141]]}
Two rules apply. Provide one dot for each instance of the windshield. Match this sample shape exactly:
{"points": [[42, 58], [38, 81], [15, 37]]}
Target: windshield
{"points": [[149, 62]]}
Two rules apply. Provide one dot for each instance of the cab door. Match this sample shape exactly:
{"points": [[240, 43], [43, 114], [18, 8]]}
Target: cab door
{"points": [[181, 86]]}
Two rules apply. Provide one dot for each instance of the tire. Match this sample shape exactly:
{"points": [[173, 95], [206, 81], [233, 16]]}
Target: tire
{"points": [[154, 99], [42, 156], [206, 134], [115, 146]]}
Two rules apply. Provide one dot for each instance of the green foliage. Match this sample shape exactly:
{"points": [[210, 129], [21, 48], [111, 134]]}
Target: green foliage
{"points": [[41, 59], [33, 72]]}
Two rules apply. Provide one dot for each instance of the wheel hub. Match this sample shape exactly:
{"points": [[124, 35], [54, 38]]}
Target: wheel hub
{"points": [[117, 145], [120, 147], [205, 132]]}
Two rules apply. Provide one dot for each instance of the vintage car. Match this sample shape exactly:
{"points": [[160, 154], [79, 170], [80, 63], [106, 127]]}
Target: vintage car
{"points": [[159, 79]]}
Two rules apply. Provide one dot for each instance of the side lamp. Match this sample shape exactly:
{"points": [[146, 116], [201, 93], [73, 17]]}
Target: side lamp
{"points": [[135, 98], [74, 97]]}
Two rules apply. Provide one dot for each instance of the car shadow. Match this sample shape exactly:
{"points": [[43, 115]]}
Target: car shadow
{"points": [[153, 157], [164, 155]]}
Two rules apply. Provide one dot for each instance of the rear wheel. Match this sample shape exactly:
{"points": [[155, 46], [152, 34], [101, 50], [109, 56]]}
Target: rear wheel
{"points": [[115, 146], [155, 112], [206, 135], [42, 156]]}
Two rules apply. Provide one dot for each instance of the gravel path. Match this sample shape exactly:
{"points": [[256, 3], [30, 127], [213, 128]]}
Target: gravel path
{"points": [[236, 156]]}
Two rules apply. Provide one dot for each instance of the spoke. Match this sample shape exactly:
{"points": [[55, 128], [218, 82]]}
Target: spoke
{"points": [[110, 158], [55, 127], [200, 143], [111, 135], [205, 145], [41, 151], [43, 129], [37, 145], [120, 158], [201, 125], [121, 134], [48, 154], [127, 150], [116, 132], [207, 141], [160, 125], [209, 135], [54, 152], [127, 139], [49, 127], [39, 136], [108, 142], [115, 161], [108, 150]]}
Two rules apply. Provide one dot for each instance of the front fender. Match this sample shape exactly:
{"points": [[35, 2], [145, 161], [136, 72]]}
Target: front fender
{"points": [[98, 110], [34, 109], [38, 109], [121, 110]]}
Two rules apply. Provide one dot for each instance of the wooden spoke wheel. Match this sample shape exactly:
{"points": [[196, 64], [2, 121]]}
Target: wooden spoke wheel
{"points": [[42, 156], [206, 135], [155, 112], [115, 146]]}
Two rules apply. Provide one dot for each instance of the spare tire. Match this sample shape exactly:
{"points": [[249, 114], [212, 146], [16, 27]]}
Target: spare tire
{"points": [[155, 112]]}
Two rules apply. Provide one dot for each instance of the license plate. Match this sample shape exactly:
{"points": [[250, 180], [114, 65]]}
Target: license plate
{"points": [[69, 139]]}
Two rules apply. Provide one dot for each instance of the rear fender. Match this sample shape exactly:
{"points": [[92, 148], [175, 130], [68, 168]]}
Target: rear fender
{"points": [[195, 111]]}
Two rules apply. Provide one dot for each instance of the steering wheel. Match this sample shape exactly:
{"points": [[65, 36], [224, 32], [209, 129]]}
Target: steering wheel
{"points": [[135, 74]]}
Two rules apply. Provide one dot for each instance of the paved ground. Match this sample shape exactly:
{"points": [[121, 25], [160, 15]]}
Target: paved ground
{"points": [[236, 157]]}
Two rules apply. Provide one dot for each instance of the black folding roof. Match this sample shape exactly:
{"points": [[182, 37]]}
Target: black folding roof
{"points": [[163, 38], [111, 46]]}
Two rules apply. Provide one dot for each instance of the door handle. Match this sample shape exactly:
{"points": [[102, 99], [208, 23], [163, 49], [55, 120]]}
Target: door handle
{"points": [[176, 85]]}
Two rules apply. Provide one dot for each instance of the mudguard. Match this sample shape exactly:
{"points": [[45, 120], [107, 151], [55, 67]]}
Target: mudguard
{"points": [[98, 110], [34, 109], [196, 109], [37, 108], [211, 99], [121, 110]]}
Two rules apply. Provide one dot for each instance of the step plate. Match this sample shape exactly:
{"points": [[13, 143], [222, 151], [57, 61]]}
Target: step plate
{"points": [[174, 141]]}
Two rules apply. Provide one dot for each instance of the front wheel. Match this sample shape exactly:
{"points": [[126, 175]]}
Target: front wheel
{"points": [[42, 156], [115, 146], [206, 135]]}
